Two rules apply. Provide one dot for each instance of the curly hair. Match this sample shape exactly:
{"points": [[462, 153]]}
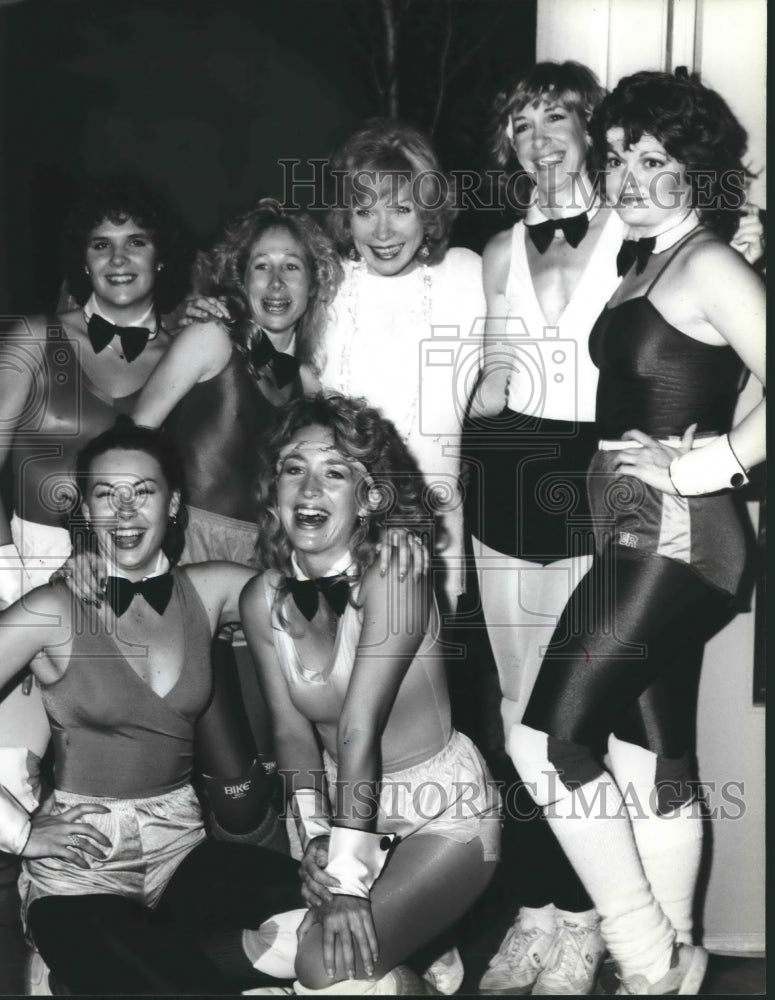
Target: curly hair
{"points": [[221, 271], [374, 159], [697, 129], [126, 435], [394, 491], [120, 199], [569, 84]]}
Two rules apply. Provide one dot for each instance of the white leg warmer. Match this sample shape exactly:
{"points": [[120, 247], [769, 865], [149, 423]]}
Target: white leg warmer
{"points": [[272, 948], [670, 845], [593, 828]]}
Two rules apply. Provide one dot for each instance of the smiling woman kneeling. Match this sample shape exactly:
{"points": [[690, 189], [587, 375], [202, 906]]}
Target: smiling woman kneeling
{"points": [[398, 818], [120, 889]]}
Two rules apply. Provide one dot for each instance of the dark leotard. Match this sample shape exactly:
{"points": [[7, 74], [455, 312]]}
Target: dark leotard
{"points": [[218, 426], [654, 377], [65, 409], [113, 735]]}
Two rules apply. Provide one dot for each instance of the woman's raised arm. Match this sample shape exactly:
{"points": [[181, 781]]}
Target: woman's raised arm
{"points": [[197, 354]]}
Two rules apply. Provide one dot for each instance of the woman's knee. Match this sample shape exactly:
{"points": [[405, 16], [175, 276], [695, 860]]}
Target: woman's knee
{"points": [[550, 767]]}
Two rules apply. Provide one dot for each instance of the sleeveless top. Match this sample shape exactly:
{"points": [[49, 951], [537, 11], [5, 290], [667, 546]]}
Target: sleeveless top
{"points": [[553, 376], [418, 726], [654, 377], [114, 736], [217, 427], [65, 409]]}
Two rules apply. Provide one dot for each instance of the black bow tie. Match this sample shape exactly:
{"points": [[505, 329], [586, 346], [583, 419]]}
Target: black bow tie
{"points": [[635, 252], [157, 591], [306, 594], [284, 367], [133, 338], [542, 233]]}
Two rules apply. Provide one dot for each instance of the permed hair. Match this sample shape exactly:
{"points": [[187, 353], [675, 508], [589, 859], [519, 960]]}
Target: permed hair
{"points": [[374, 160], [119, 200], [395, 491], [221, 271], [570, 84], [697, 129], [126, 435]]}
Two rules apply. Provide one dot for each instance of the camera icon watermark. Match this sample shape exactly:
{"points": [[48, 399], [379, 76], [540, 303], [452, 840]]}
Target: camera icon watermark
{"points": [[535, 369]]}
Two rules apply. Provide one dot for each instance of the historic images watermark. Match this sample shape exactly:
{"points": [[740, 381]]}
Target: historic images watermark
{"points": [[314, 185]]}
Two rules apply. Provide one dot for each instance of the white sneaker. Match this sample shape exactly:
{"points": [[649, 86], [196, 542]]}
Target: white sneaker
{"points": [[446, 974], [518, 962], [575, 957], [683, 978], [36, 981], [269, 991]]}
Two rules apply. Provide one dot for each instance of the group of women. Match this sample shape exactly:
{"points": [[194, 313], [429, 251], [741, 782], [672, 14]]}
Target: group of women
{"points": [[276, 522]]}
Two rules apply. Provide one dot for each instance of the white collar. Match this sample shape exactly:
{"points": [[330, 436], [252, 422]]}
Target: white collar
{"points": [[342, 567], [535, 215], [92, 307], [162, 567], [669, 236]]}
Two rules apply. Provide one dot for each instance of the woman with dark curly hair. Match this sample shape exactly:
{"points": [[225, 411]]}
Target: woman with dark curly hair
{"points": [[546, 280], [120, 888], [406, 301], [63, 379], [622, 669], [216, 392], [349, 659]]}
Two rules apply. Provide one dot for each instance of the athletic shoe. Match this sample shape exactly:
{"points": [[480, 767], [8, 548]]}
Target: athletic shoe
{"points": [[518, 962], [683, 978], [445, 975], [36, 976], [399, 982], [269, 991], [572, 964]]}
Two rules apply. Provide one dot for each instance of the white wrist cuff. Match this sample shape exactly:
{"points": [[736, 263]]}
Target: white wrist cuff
{"points": [[311, 811], [15, 824], [708, 469], [13, 576], [356, 858]]}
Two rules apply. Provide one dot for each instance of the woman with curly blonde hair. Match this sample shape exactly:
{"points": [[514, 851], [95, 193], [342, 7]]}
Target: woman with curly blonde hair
{"points": [[218, 392], [351, 664]]}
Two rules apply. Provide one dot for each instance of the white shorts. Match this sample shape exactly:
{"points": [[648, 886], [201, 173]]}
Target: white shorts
{"points": [[149, 839], [450, 795]]}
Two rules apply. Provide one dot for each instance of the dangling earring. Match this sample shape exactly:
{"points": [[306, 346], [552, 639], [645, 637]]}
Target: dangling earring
{"points": [[159, 267], [424, 250], [86, 270], [173, 518], [362, 518]]}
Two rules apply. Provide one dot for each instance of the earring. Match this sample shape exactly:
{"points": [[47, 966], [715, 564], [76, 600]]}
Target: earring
{"points": [[173, 518], [86, 270], [362, 518], [424, 251], [159, 267], [353, 255]]}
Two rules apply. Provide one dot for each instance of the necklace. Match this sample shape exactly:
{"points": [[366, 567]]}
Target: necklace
{"points": [[421, 316]]}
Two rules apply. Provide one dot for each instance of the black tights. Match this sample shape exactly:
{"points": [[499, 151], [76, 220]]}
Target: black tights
{"points": [[106, 944], [626, 656]]}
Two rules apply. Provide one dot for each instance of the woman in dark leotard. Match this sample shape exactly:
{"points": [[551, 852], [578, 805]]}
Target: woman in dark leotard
{"points": [[623, 665], [120, 888], [217, 390]]}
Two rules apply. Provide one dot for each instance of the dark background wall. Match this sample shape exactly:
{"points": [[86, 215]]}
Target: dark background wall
{"points": [[203, 97]]}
